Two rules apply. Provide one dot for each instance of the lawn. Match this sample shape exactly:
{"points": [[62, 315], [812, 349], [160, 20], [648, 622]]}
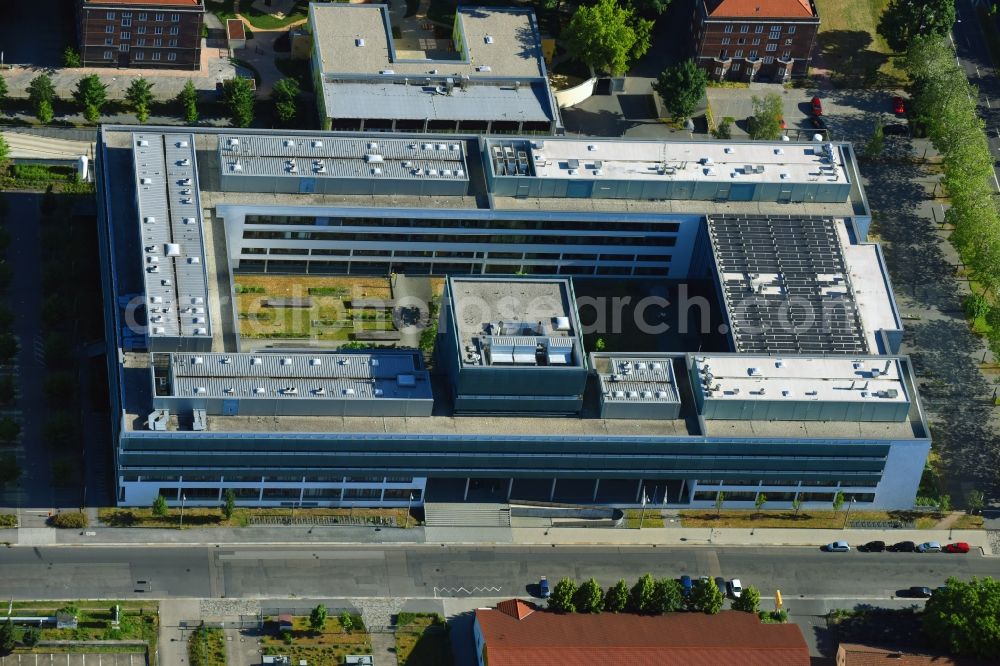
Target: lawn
{"points": [[652, 518], [138, 621], [8, 520], [848, 45], [327, 647], [813, 519], [422, 640], [211, 517], [330, 317], [207, 647], [257, 18]]}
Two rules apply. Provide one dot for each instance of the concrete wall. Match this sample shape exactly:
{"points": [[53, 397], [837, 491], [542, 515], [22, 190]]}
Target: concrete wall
{"points": [[579, 93]]}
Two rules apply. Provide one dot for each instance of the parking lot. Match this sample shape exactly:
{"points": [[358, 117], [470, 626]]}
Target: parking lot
{"points": [[74, 659]]}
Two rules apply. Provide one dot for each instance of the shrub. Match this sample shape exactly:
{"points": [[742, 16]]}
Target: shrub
{"points": [[70, 520]]}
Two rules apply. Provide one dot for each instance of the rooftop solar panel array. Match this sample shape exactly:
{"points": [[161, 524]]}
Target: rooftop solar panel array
{"points": [[786, 285]]}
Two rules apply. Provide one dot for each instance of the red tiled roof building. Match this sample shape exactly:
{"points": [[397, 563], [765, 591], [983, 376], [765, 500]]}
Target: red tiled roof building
{"points": [[517, 633], [754, 40]]}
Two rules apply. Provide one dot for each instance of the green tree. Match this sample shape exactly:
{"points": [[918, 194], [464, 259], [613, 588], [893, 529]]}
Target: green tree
{"points": [[9, 471], [600, 344], [903, 20], [706, 597], [70, 57], [317, 617], [41, 94], [188, 99], [589, 597], [239, 96], [964, 618], [838, 501], [563, 594], [765, 123], [760, 502], [346, 621], [725, 129], [607, 36], [140, 96], [975, 501], [797, 504], [681, 87], [160, 508], [7, 637], [668, 596], [9, 429], [3, 91], [31, 636], [944, 503], [650, 8], [876, 144], [616, 598], [749, 601], [977, 306], [230, 503], [285, 94], [91, 94], [641, 594], [720, 499]]}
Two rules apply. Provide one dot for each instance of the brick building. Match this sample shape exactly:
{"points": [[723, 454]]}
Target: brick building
{"points": [[754, 40], [161, 34]]}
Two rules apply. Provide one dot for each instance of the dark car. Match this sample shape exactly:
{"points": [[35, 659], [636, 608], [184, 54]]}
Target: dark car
{"points": [[686, 585], [957, 547], [895, 129], [917, 592], [817, 106], [904, 547], [898, 107], [543, 588], [873, 547], [720, 583]]}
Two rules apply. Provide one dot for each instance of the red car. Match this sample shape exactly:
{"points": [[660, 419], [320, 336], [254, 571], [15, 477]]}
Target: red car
{"points": [[957, 547], [817, 107], [897, 106]]}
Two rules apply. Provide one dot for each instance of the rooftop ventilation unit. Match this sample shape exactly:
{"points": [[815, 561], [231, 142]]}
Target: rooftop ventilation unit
{"points": [[233, 141], [348, 391], [226, 360], [201, 331], [386, 71], [286, 361], [359, 41], [182, 144], [315, 362], [259, 390], [256, 360], [143, 143], [376, 171], [317, 144], [172, 250], [484, 68], [488, 39], [372, 157], [149, 219], [378, 392], [146, 181], [289, 143], [184, 162], [372, 145], [319, 391], [188, 220], [200, 390]]}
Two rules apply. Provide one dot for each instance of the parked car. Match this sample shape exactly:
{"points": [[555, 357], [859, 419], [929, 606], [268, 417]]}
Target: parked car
{"points": [[929, 547], [685, 585], [817, 107], [903, 547], [543, 588], [872, 547], [895, 129], [957, 547], [735, 588], [837, 547], [917, 592], [898, 107], [720, 583]]}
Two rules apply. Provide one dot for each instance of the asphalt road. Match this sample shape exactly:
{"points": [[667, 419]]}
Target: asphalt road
{"points": [[455, 571], [974, 57]]}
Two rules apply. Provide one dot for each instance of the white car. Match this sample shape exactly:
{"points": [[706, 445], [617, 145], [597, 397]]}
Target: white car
{"points": [[929, 547], [735, 588]]}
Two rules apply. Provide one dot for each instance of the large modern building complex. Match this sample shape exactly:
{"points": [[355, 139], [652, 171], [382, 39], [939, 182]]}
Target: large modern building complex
{"points": [[791, 385], [489, 77]]}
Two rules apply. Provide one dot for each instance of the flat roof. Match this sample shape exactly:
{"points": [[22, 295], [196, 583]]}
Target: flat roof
{"points": [[127, 4], [356, 39], [298, 375], [323, 156], [640, 378], [786, 285], [170, 226], [749, 377], [735, 162], [482, 101], [506, 321]]}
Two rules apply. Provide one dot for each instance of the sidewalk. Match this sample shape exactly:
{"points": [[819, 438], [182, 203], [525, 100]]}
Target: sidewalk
{"points": [[525, 536]]}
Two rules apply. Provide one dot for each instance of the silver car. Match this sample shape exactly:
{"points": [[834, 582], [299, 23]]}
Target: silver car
{"points": [[929, 547]]}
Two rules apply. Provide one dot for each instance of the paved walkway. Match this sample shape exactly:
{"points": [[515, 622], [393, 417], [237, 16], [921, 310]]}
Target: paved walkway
{"points": [[172, 646]]}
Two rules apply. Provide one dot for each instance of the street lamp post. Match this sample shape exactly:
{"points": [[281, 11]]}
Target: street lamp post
{"points": [[409, 503], [183, 499], [848, 516], [642, 514]]}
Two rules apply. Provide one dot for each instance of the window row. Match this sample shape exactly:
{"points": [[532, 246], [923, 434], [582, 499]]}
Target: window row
{"points": [[139, 55], [774, 32], [551, 225], [143, 16], [141, 30], [141, 42]]}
